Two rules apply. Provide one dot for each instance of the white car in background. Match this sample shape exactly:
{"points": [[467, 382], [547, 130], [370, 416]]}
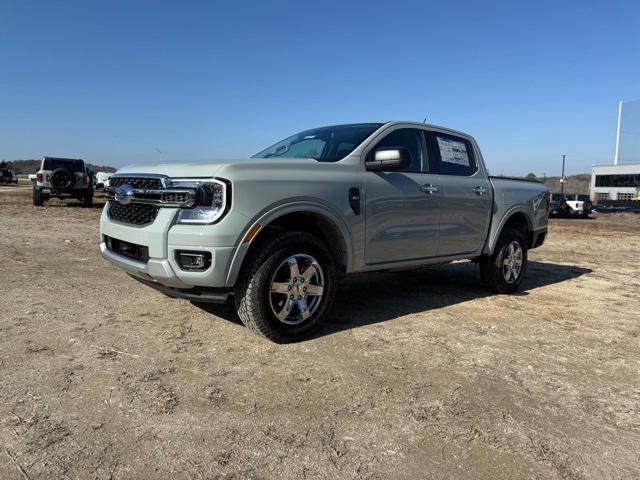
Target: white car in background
{"points": [[570, 205], [102, 179]]}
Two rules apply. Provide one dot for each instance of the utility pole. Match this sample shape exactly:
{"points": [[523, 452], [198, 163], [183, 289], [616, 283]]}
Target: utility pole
{"points": [[617, 157], [562, 177]]}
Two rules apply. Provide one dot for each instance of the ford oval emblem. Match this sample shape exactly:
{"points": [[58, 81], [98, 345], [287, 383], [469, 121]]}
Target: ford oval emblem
{"points": [[124, 194]]}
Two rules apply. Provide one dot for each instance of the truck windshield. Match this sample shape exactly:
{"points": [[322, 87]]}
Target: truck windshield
{"points": [[71, 165], [326, 144]]}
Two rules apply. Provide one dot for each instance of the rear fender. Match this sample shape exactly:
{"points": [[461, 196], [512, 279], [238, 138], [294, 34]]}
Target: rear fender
{"points": [[497, 227]]}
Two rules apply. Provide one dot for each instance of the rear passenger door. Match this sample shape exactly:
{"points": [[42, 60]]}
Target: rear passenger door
{"points": [[466, 194]]}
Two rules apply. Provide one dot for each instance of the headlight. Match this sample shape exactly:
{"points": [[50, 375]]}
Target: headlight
{"points": [[213, 200]]}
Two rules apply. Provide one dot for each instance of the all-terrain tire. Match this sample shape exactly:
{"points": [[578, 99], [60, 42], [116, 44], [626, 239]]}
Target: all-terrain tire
{"points": [[87, 200], [253, 289], [492, 267], [38, 197]]}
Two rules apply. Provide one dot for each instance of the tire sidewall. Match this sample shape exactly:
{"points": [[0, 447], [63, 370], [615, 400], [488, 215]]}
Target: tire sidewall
{"points": [[258, 287], [506, 238]]}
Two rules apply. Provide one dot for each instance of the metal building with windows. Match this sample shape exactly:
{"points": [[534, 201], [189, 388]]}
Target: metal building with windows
{"points": [[619, 183]]}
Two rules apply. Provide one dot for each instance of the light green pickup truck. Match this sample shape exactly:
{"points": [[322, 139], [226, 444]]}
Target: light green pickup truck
{"points": [[277, 230]]}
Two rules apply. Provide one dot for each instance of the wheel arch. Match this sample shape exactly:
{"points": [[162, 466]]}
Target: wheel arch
{"points": [[517, 218], [310, 218]]}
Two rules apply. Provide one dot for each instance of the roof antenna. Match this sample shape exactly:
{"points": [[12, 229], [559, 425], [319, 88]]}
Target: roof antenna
{"points": [[425, 120]]}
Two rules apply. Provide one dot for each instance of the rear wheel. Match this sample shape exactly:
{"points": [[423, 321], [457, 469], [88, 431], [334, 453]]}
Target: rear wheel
{"points": [[87, 200], [38, 197], [503, 271], [287, 287]]}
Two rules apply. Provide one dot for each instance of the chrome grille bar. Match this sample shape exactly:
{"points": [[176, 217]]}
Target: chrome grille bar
{"points": [[169, 197]]}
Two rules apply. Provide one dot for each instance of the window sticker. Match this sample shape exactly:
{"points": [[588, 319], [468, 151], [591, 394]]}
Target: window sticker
{"points": [[454, 152]]}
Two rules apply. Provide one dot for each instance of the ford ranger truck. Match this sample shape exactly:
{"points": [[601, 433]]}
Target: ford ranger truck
{"points": [[277, 230]]}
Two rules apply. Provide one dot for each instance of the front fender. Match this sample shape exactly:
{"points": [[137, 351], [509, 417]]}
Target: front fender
{"points": [[271, 213]]}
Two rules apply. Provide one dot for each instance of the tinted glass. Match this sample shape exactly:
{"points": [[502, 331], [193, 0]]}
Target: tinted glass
{"points": [[455, 155], [631, 180], [327, 144], [71, 165], [411, 140]]}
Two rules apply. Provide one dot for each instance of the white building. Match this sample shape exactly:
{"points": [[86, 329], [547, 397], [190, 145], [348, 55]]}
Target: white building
{"points": [[615, 182]]}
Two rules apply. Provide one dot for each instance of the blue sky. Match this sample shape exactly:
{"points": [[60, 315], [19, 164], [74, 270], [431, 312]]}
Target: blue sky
{"points": [[130, 81]]}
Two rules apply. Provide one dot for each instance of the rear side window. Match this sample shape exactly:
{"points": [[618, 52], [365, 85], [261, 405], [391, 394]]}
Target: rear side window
{"points": [[411, 139], [454, 155]]}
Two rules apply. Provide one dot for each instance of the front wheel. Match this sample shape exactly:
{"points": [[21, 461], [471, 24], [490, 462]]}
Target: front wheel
{"points": [[287, 287], [503, 271]]}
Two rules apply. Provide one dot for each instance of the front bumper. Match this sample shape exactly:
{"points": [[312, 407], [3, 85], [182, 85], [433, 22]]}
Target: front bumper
{"points": [[164, 238], [155, 270], [197, 294]]}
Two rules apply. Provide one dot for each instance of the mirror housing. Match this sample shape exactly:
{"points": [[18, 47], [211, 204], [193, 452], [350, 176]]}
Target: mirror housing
{"points": [[389, 158]]}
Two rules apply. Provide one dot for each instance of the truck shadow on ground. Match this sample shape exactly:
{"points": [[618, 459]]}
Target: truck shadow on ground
{"points": [[373, 298]]}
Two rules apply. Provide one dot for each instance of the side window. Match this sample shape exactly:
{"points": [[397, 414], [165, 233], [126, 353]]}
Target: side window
{"points": [[455, 155], [411, 139]]}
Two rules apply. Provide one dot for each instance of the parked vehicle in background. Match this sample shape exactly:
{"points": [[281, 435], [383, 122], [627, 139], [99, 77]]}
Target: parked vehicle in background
{"points": [[102, 179], [8, 176], [63, 178], [570, 205], [275, 231]]}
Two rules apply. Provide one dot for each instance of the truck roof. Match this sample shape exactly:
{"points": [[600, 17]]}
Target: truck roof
{"points": [[60, 158], [428, 125]]}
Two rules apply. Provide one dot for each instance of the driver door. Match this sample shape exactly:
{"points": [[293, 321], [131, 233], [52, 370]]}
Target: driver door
{"points": [[402, 207]]}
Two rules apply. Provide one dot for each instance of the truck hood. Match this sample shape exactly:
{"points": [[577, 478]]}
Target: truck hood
{"points": [[212, 168]]}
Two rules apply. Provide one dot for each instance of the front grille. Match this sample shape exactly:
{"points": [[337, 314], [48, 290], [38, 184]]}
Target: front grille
{"points": [[136, 182], [134, 213]]}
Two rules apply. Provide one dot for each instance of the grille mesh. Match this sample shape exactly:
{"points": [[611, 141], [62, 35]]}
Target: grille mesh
{"points": [[135, 182], [134, 213], [175, 197]]}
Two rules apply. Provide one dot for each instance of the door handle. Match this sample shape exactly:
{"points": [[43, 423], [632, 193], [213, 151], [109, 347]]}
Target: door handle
{"points": [[428, 188], [479, 190]]}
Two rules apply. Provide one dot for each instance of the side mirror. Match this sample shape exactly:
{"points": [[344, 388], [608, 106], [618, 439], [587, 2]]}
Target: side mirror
{"points": [[389, 158]]}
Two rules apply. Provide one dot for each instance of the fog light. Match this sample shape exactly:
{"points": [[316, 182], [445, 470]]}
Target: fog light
{"points": [[193, 260]]}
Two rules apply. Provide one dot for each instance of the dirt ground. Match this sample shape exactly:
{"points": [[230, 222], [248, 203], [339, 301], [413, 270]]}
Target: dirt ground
{"points": [[417, 375]]}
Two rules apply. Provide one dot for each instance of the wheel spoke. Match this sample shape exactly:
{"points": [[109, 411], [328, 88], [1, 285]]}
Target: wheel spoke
{"points": [[309, 272], [510, 250], [278, 287], [293, 267], [304, 308], [314, 290], [286, 310]]}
